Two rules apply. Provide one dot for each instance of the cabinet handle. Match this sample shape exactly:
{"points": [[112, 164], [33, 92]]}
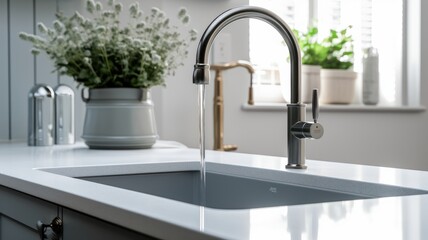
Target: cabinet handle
{"points": [[54, 233]]}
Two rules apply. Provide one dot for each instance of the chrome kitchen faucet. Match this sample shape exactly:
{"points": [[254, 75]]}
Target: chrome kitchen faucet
{"points": [[298, 129]]}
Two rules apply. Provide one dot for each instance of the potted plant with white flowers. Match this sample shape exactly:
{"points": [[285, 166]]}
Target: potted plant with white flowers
{"points": [[118, 63]]}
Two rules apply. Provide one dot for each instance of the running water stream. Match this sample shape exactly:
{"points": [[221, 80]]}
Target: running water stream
{"points": [[201, 102], [202, 193]]}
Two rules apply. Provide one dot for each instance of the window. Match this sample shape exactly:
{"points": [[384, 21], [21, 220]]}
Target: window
{"points": [[377, 23]]}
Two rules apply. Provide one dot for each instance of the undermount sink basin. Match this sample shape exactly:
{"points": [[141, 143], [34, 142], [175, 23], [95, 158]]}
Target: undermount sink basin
{"points": [[231, 186], [236, 192], [222, 191]]}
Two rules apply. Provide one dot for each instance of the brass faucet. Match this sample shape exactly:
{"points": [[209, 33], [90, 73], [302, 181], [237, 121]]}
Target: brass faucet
{"points": [[219, 102]]}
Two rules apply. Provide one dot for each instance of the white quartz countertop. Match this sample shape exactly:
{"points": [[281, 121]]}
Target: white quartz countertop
{"points": [[47, 173]]}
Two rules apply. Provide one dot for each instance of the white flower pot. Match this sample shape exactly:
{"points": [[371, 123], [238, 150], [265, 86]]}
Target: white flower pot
{"points": [[119, 118], [310, 80], [338, 86]]}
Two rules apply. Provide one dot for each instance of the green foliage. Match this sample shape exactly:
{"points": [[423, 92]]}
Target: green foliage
{"points": [[333, 52], [100, 52], [312, 51], [340, 50]]}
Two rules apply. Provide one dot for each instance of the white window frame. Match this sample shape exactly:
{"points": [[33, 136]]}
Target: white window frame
{"points": [[411, 85], [408, 89]]}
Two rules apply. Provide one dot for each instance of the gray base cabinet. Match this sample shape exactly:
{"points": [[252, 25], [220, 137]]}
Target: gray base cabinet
{"points": [[20, 213], [11, 229], [82, 226]]}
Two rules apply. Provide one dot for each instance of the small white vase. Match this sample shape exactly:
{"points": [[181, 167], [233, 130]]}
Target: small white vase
{"points": [[338, 86], [310, 80], [119, 118]]}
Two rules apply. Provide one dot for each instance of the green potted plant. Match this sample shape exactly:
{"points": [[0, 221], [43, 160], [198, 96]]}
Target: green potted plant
{"points": [[337, 77], [312, 56], [118, 63]]}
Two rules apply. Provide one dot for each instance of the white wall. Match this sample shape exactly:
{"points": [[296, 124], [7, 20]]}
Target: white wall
{"points": [[385, 139], [4, 77], [19, 70]]}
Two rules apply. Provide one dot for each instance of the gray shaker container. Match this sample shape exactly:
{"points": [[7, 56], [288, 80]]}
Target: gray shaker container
{"points": [[64, 115], [41, 115]]}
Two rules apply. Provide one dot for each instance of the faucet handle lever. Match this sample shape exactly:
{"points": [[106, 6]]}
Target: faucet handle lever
{"points": [[315, 105]]}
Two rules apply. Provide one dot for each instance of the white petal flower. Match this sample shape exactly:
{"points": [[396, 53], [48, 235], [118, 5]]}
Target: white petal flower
{"points": [[166, 22], [186, 19], [51, 33], [90, 6], [141, 25], [31, 38], [23, 35], [182, 12], [193, 34], [101, 29], [79, 17], [118, 7], [155, 10], [71, 44], [134, 8], [87, 60], [147, 44], [88, 24], [42, 28], [137, 42], [60, 39], [99, 6], [35, 51], [58, 26], [39, 39], [161, 14], [156, 58], [109, 14]]}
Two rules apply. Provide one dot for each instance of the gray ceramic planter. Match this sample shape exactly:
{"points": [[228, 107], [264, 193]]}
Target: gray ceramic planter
{"points": [[119, 118]]}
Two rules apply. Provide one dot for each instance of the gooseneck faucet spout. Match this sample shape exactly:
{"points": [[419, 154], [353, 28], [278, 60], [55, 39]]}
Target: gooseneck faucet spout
{"points": [[201, 72], [298, 130]]}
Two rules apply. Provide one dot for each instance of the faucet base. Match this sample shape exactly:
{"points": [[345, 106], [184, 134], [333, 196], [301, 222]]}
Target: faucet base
{"points": [[295, 166]]}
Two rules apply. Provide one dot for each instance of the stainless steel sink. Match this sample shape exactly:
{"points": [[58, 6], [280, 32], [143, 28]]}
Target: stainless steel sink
{"points": [[230, 186], [236, 192]]}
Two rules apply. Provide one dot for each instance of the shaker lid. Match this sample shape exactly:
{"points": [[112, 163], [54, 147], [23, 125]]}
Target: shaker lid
{"points": [[41, 91], [63, 89]]}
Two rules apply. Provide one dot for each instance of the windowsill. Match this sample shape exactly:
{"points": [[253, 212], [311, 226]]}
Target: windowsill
{"points": [[335, 108]]}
